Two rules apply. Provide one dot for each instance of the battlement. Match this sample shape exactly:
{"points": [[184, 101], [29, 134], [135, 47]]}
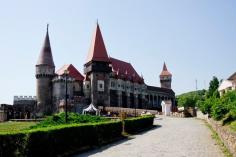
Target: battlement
{"points": [[62, 79], [19, 98]]}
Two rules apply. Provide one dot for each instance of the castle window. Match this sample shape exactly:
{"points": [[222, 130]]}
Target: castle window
{"points": [[112, 84], [100, 85], [87, 86]]}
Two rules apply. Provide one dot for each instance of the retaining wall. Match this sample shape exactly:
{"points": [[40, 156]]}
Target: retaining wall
{"points": [[228, 137]]}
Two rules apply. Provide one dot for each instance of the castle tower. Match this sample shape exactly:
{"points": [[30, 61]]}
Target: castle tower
{"points": [[97, 70], [165, 77], [45, 70]]}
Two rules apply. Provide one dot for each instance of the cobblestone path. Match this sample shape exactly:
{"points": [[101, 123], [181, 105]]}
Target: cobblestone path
{"points": [[176, 137]]}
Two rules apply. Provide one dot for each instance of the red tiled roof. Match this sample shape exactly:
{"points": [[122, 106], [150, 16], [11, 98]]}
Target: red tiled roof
{"points": [[45, 57], [165, 71], [97, 51], [125, 70], [73, 72]]}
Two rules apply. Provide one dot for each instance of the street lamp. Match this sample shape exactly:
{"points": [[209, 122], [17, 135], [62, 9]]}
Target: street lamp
{"points": [[66, 72], [135, 106]]}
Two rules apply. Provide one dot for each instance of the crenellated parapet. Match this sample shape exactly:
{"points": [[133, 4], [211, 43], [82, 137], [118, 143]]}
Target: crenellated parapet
{"points": [[19, 98]]}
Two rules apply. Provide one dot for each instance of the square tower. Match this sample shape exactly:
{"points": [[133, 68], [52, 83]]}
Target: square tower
{"points": [[98, 69]]}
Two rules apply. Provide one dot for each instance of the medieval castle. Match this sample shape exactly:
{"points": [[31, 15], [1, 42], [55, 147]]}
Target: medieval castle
{"points": [[106, 81]]}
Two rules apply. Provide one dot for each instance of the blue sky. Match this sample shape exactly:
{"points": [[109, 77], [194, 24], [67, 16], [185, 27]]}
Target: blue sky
{"points": [[196, 38]]}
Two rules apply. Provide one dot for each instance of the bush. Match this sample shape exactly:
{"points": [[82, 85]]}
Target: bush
{"points": [[12, 144], [134, 125], [205, 106], [218, 111], [59, 140], [73, 118]]}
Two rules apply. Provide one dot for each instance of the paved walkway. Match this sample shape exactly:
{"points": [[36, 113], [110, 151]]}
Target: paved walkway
{"points": [[176, 137]]}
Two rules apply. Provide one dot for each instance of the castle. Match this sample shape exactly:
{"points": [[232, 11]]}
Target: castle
{"points": [[107, 81]]}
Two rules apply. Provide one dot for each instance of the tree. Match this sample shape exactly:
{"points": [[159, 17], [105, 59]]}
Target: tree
{"points": [[213, 88], [190, 99]]}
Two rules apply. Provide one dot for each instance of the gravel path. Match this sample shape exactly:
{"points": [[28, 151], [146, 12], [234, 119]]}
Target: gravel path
{"points": [[176, 137]]}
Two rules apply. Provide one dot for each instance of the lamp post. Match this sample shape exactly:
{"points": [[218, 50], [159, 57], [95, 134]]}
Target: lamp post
{"points": [[66, 72], [135, 106]]}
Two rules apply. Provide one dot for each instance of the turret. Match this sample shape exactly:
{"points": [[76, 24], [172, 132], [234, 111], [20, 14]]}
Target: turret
{"points": [[45, 70], [98, 69], [165, 78]]}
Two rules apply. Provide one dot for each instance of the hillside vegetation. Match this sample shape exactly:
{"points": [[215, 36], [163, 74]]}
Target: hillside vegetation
{"points": [[209, 102]]}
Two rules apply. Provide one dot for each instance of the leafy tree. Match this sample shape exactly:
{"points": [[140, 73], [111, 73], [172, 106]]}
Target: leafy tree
{"points": [[213, 88], [218, 110], [205, 106], [190, 99]]}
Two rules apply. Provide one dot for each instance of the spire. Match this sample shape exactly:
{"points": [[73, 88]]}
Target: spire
{"points": [[165, 71], [97, 51], [164, 67], [45, 57]]}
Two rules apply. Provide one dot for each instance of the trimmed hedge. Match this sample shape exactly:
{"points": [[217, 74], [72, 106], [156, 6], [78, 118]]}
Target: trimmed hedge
{"points": [[67, 139], [135, 125], [59, 140], [12, 144]]}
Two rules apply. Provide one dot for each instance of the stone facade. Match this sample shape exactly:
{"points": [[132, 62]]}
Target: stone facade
{"points": [[106, 82], [24, 107]]}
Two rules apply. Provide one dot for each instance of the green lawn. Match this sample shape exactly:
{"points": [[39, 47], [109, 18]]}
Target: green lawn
{"points": [[14, 126]]}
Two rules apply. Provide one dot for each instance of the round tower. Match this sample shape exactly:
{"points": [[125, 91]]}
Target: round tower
{"points": [[165, 78], [45, 71]]}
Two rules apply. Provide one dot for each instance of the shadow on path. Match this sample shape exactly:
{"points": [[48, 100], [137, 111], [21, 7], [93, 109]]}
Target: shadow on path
{"points": [[107, 146]]}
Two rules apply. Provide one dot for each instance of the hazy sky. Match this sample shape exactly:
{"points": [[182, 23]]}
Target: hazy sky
{"points": [[196, 38]]}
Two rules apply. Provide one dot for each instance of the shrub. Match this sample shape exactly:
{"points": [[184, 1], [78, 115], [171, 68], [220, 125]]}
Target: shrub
{"points": [[134, 125], [205, 106], [59, 140], [73, 118], [218, 111], [12, 144]]}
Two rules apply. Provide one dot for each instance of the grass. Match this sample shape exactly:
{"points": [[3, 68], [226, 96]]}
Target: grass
{"points": [[50, 121], [216, 137], [232, 126], [73, 118], [6, 127]]}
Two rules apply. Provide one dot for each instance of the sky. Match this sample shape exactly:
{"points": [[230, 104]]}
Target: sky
{"points": [[196, 38]]}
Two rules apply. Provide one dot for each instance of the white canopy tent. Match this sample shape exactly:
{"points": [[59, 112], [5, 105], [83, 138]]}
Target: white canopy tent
{"points": [[90, 109]]}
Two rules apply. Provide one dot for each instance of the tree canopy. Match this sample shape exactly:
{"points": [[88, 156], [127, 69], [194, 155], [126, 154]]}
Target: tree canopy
{"points": [[190, 99], [213, 87]]}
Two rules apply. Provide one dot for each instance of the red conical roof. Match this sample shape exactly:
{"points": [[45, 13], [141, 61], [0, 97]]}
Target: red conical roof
{"points": [[165, 71], [73, 72], [97, 51], [45, 57]]}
